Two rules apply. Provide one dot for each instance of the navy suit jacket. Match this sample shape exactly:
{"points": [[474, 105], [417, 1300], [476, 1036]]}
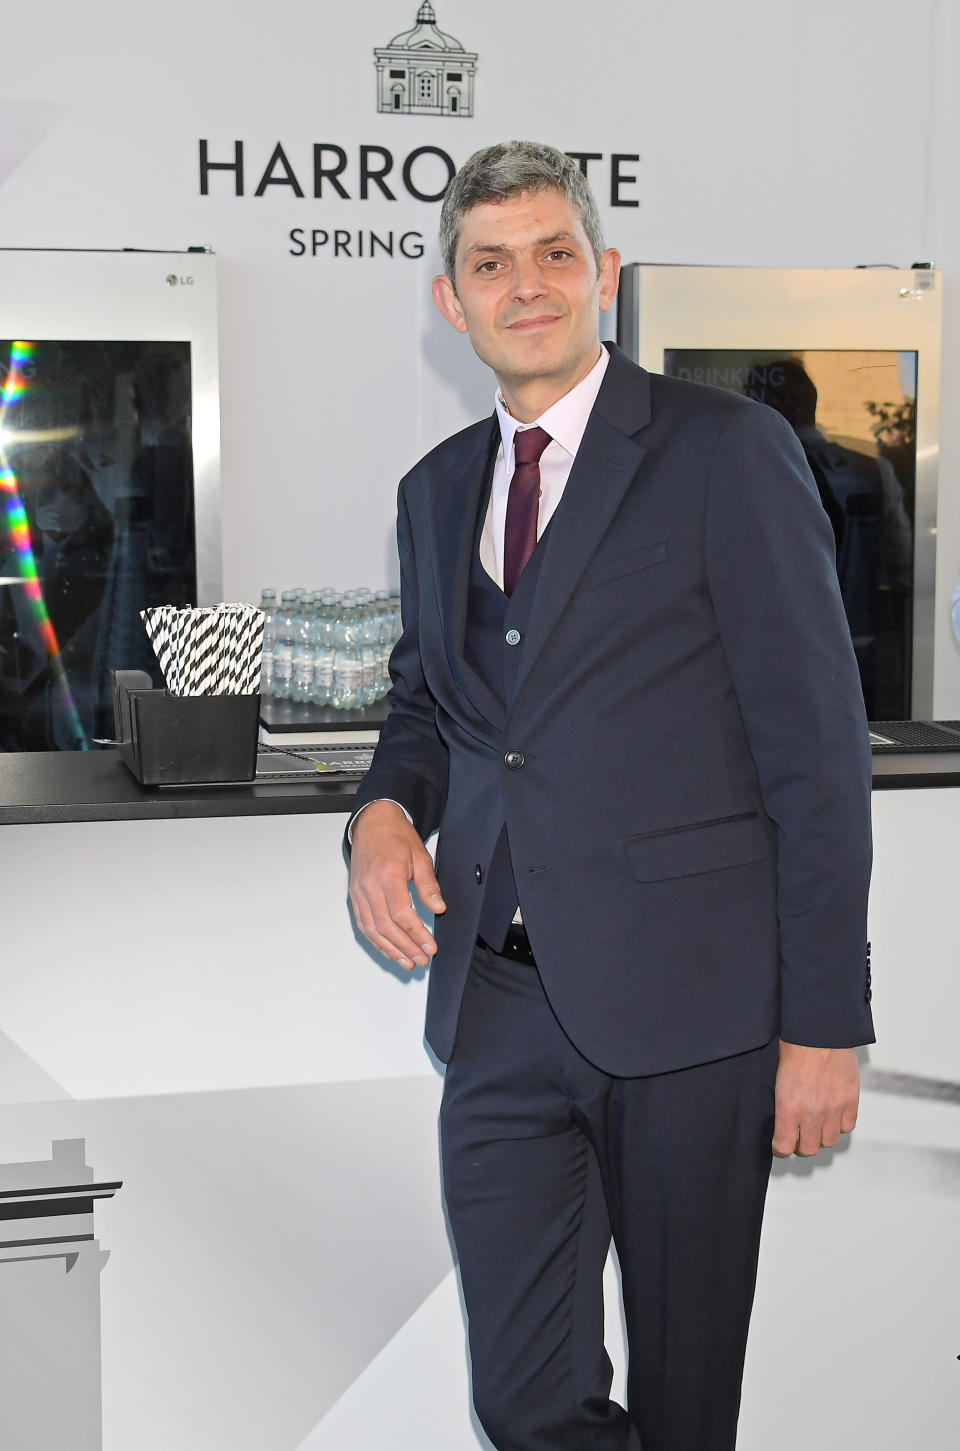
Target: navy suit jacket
{"points": [[690, 825]]}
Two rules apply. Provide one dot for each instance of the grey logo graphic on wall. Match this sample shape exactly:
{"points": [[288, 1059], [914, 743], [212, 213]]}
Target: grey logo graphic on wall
{"points": [[425, 72]]}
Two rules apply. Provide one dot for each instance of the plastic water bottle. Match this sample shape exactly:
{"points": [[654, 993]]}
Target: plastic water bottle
{"points": [[268, 603], [284, 633], [301, 659], [323, 645], [368, 642], [347, 660]]}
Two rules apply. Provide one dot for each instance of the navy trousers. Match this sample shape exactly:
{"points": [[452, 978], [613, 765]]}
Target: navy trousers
{"points": [[544, 1158]]}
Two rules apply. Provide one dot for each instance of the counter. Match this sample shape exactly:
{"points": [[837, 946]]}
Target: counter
{"points": [[52, 786]]}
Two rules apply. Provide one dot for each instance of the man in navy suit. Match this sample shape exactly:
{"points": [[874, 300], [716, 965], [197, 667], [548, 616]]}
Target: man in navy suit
{"points": [[642, 739]]}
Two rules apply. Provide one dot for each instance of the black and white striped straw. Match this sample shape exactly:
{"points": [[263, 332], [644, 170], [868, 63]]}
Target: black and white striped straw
{"points": [[207, 651]]}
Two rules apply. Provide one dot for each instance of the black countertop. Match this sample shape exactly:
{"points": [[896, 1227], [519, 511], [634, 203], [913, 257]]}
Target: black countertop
{"points": [[50, 786], [40, 786], [915, 769]]}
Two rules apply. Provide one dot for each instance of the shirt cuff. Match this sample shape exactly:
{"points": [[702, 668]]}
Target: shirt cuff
{"points": [[373, 803]]}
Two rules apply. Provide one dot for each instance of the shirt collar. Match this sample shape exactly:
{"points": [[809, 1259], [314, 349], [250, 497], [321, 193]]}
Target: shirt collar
{"points": [[565, 420]]}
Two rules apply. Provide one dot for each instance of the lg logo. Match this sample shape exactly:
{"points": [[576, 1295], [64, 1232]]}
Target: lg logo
{"points": [[173, 280]]}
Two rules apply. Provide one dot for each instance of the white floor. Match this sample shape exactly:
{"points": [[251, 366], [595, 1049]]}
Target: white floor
{"points": [[855, 1332]]}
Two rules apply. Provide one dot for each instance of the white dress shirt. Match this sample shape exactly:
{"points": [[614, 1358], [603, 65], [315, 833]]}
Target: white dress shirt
{"points": [[565, 421]]}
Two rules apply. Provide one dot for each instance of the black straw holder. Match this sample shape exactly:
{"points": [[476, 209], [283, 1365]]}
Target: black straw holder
{"points": [[183, 740]]}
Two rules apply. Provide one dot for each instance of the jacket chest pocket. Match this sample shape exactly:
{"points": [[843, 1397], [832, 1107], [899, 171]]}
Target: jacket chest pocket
{"points": [[619, 566], [706, 846]]}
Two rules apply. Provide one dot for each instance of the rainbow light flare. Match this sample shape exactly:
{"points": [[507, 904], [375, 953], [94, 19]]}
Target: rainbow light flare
{"points": [[16, 384], [14, 388]]}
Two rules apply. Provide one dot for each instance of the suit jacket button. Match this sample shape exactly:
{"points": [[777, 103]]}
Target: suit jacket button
{"points": [[512, 637], [478, 873], [513, 760]]}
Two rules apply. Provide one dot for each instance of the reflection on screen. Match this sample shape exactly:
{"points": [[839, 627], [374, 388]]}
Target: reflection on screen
{"points": [[96, 524], [855, 415]]}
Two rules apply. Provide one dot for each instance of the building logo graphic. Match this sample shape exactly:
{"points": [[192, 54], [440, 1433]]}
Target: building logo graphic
{"points": [[425, 72]]}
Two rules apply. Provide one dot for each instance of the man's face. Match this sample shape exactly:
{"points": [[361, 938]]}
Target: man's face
{"points": [[527, 289]]}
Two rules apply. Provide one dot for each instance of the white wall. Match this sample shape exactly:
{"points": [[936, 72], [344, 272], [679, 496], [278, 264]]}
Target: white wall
{"points": [[942, 235], [821, 134]]}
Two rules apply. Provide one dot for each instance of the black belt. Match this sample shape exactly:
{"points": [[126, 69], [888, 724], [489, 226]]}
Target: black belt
{"points": [[516, 946]]}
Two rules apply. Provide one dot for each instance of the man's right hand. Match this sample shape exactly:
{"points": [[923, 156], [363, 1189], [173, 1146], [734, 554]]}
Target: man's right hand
{"points": [[386, 856]]}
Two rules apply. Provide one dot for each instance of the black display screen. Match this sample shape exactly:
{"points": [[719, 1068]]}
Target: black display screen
{"points": [[854, 413], [96, 523]]}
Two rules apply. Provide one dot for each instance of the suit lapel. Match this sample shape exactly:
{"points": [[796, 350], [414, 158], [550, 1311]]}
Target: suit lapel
{"points": [[603, 470], [606, 463], [456, 505]]}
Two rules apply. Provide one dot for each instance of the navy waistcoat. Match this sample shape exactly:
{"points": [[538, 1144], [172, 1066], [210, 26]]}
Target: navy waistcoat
{"points": [[493, 622]]}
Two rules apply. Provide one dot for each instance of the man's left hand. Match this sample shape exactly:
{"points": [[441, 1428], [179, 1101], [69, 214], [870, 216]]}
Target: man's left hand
{"points": [[818, 1090]]}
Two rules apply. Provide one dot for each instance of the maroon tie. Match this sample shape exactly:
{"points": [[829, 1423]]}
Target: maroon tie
{"points": [[520, 532]]}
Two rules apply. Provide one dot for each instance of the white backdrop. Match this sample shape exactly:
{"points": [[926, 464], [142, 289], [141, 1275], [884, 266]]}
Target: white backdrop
{"points": [[280, 1275]]}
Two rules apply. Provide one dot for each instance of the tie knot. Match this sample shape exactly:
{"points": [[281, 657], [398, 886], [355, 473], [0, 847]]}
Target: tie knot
{"points": [[529, 443]]}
